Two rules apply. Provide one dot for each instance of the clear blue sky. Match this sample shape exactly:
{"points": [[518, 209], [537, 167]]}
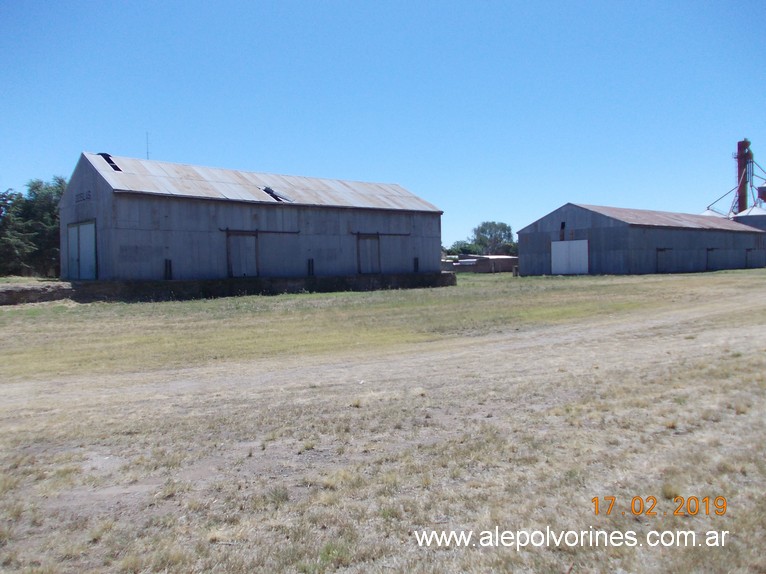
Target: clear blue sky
{"points": [[490, 110]]}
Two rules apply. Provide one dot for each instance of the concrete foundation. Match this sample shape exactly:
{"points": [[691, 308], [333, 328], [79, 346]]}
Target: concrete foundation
{"points": [[89, 291]]}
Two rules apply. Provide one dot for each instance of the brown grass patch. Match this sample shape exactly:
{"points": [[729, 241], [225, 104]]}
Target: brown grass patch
{"points": [[220, 435]]}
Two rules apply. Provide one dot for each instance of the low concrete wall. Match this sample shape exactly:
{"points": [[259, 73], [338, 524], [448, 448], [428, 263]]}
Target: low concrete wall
{"points": [[14, 294], [88, 291]]}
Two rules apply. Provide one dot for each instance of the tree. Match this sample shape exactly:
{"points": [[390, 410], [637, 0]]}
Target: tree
{"points": [[41, 211], [495, 238], [29, 229], [463, 247], [15, 238], [489, 238]]}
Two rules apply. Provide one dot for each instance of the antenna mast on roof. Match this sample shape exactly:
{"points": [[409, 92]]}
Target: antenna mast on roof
{"points": [[147, 145]]}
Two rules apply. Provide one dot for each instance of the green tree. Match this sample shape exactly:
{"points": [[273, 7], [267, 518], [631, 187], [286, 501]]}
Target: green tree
{"points": [[463, 247], [29, 229], [41, 212], [15, 237], [494, 238]]}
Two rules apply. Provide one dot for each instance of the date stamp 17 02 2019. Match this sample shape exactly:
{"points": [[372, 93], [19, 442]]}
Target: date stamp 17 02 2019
{"points": [[648, 506]]}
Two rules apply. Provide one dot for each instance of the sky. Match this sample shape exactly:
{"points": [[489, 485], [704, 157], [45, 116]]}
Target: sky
{"points": [[490, 110]]}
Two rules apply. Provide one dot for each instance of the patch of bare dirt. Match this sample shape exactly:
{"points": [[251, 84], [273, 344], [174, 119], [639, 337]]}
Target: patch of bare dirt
{"points": [[602, 407]]}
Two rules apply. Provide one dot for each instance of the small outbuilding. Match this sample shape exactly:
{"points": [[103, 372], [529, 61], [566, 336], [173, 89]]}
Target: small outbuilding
{"points": [[135, 219], [587, 239]]}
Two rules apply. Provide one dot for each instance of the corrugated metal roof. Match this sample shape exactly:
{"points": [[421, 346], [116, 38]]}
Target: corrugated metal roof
{"points": [[162, 178], [649, 218]]}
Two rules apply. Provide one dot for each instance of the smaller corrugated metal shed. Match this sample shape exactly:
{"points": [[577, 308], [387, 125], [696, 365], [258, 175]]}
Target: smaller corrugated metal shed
{"points": [[648, 218], [129, 175]]}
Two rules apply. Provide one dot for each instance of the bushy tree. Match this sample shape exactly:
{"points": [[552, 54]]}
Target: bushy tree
{"points": [[463, 247], [489, 238], [41, 210], [495, 238], [29, 229], [15, 238]]}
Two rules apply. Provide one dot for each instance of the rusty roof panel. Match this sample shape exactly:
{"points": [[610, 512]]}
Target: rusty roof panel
{"points": [[667, 219], [149, 176]]}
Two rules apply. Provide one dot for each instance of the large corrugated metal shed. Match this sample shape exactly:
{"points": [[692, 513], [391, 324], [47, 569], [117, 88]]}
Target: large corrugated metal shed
{"points": [[129, 175], [647, 218]]}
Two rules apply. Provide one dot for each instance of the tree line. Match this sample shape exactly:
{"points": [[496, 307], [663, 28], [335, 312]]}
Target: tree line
{"points": [[29, 229], [489, 238]]}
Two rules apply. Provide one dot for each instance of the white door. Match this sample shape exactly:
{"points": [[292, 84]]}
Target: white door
{"points": [[569, 257]]}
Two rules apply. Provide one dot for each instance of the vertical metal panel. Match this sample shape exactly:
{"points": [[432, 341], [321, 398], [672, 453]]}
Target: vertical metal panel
{"points": [[664, 260], [243, 255], [280, 255], [81, 251], [87, 250], [368, 253], [73, 248]]}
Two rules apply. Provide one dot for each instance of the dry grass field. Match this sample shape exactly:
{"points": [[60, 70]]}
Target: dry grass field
{"points": [[321, 432]]}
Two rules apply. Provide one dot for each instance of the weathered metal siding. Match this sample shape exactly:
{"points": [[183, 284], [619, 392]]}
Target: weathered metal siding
{"points": [[607, 249], [87, 198], [606, 237], [534, 253], [616, 247], [288, 240], [158, 235], [757, 221], [655, 250]]}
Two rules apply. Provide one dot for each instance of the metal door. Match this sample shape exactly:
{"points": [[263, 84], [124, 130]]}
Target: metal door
{"points": [[87, 244], [368, 253], [243, 255], [73, 252], [569, 257], [81, 247], [665, 260]]}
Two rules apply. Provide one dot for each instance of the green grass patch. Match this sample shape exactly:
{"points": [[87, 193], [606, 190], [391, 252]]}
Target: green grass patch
{"points": [[61, 339]]}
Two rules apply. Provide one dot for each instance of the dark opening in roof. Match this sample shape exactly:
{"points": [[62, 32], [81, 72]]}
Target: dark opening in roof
{"points": [[277, 196], [110, 161]]}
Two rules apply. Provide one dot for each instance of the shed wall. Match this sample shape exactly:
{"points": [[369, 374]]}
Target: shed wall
{"points": [[150, 237], [655, 250], [615, 247], [86, 198], [607, 240], [757, 221]]}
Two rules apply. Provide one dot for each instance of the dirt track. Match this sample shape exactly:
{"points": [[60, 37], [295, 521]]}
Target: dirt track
{"points": [[520, 427]]}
